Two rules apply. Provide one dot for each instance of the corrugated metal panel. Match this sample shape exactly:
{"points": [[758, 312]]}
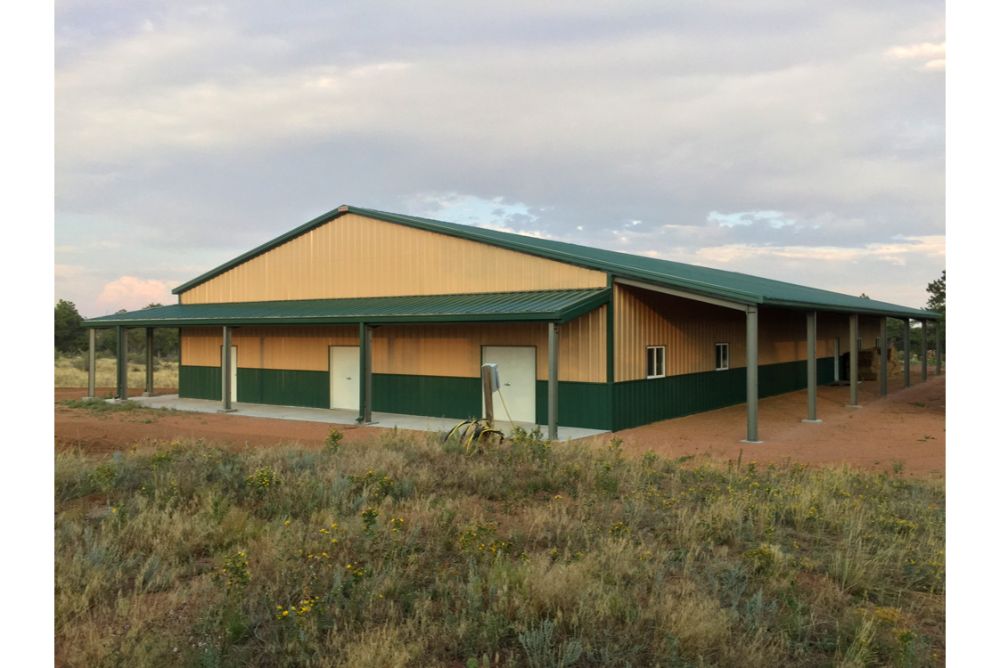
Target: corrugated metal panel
{"points": [[702, 280], [419, 350], [493, 307], [358, 256], [690, 330]]}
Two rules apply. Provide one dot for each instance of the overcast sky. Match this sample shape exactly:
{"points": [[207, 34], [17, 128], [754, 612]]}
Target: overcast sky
{"points": [[796, 140]]}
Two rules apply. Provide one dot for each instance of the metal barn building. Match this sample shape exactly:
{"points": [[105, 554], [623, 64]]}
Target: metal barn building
{"points": [[371, 311]]}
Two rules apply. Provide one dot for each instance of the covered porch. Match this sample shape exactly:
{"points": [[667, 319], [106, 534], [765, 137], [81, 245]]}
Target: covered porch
{"points": [[548, 309]]}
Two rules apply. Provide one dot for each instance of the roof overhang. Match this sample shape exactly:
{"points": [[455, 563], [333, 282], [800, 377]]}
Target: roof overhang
{"points": [[542, 306]]}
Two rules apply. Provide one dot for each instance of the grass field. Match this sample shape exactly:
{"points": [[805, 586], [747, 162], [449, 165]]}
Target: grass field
{"points": [[71, 371], [408, 551]]}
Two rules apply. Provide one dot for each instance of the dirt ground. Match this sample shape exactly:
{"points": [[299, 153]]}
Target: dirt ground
{"points": [[906, 428]]}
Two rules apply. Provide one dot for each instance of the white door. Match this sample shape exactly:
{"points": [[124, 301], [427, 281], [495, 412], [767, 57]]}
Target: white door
{"points": [[345, 373], [516, 366], [232, 372]]}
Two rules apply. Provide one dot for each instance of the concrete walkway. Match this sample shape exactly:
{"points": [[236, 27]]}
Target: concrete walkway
{"points": [[339, 416]]}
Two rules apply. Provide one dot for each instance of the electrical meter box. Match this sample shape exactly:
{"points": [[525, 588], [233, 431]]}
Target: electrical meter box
{"points": [[491, 375]]}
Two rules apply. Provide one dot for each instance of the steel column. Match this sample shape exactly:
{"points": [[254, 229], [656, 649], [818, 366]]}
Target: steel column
{"points": [[937, 347], [227, 371], [883, 357], [149, 363], [906, 352], [836, 359], [752, 387], [121, 391], [553, 384], [366, 373], [854, 359], [92, 364], [811, 367], [923, 351]]}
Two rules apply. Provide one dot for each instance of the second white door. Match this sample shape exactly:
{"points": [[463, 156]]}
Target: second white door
{"points": [[516, 365], [345, 371]]}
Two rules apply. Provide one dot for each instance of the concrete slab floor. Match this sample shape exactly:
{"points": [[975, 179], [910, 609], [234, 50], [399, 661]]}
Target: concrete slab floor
{"points": [[340, 416]]}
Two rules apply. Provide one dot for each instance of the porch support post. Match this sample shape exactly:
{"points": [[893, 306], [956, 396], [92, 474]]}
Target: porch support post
{"points": [[836, 360], [365, 393], [906, 352], [923, 351], [752, 375], [227, 362], [883, 357], [149, 363], [811, 366], [121, 392], [937, 347], [854, 360], [92, 364], [553, 384]]}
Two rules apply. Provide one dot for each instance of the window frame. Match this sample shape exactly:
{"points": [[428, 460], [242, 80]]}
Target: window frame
{"points": [[718, 344], [662, 349]]}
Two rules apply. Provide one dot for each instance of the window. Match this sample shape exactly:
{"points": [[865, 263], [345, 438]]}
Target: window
{"points": [[721, 356], [878, 343], [655, 356]]}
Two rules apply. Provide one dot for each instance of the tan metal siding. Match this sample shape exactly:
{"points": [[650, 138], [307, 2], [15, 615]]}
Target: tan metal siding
{"points": [[289, 348], [356, 256], [690, 330], [431, 350]]}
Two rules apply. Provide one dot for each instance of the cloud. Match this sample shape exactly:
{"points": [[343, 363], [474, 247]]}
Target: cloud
{"points": [[189, 135], [131, 292], [930, 55]]}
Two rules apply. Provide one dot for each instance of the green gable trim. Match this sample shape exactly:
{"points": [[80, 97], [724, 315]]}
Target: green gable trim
{"points": [[534, 306], [705, 281], [433, 396]]}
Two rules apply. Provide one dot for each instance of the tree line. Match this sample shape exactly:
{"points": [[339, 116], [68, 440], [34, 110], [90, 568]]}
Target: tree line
{"points": [[71, 335]]}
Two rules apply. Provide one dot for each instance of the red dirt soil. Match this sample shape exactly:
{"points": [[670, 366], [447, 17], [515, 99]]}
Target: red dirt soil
{"points": [[907, 427]]}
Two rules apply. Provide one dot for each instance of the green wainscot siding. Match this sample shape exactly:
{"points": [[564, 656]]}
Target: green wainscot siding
{"points": [[640, 402], [281, 387], [433, 396], [200, 382], [586, 405]]}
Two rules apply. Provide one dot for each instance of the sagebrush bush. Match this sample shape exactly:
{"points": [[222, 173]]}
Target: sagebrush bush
{"points": [[407, 551]]}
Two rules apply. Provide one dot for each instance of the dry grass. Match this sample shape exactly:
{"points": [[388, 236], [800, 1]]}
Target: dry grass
{"points": [[408, 552], [71, 371]]}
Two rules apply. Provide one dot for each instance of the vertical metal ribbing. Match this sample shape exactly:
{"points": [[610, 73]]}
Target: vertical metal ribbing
{"points": [[854, 358], [149, 362], [923, 350], [883, 368], [906, 352], [92, 363], [227, 361], [752, 386], [811, 365], [553, 384]]}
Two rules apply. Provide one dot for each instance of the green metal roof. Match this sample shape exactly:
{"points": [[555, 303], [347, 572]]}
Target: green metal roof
{"points": [[729, 285], [557, 305]]}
